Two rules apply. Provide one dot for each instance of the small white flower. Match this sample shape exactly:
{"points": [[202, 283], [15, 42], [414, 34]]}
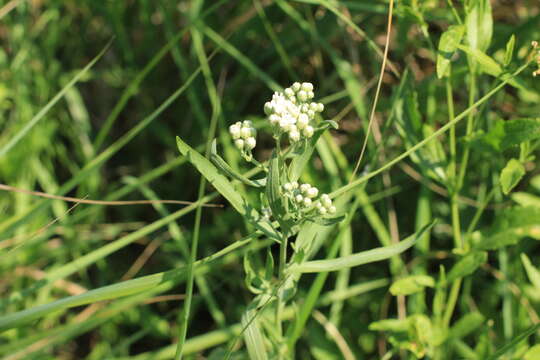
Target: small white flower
{"points": [[312, 192], [239, 143], [310, 94], [304, 188], [245, 132], [307, 202], [302, 95], [311, 114], [235, 131], [294, 136], [251, 143], [296, 86], [308, 131], [303, 121], [268, 109], [320, 107], [289, 92], [299, 198], [294, 184], [307, 86], [332, 209], [325, 200], [322, 210], [287, 187], [274, 119]]}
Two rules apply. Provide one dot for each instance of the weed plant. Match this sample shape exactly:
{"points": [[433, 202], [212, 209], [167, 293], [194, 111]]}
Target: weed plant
{"points": [[355, 179]]}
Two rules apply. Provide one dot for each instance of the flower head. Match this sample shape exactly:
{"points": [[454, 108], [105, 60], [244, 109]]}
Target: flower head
{"points": [[292, 111], [243, 134]]}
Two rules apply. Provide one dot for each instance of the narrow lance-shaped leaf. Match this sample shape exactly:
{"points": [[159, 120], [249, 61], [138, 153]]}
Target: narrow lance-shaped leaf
{"points": [[448, 44], [364, 257], [511, 175], [225, 168], [225, 188]]}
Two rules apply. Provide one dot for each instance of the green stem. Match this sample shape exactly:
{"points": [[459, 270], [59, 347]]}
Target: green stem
{"points": [[281, 276]]}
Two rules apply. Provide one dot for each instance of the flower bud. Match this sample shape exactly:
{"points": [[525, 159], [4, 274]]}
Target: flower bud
{"points": [[307, 202], [239, 143], [294, 136], [287, 187], [235, 131], [246, 132], [320, 107], [307, 86], [302, 121], [296, 86], [299, 198], [274, 119], [294, 184], [289, 92], [322, 210], [302, 95], [312, 192], [311, 114], [250, 143], [304, 188], [332, 209], [268, 109], [310, 94], [308, 131], [325, 200]]}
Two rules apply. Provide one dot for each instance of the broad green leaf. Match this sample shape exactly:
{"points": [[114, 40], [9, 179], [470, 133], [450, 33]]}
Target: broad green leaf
{"points": [[225, 188], [532, 272], [533, 353], [479, 22], [467, 324], [509, 227], [448, 43], [487, 63], [506, 134], [225, 168], [364, 257], [511, 175], [253, 335], [411, 284], [467, 265], [526, 199], [299, 162], [509, 50]]}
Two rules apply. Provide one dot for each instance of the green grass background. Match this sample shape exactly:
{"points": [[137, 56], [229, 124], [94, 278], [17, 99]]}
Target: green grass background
{"points": [[171, 67]]}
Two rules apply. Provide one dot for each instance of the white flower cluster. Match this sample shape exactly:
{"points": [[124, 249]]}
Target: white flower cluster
{"points": [[305, 198], [243, 134], [292, 112]]}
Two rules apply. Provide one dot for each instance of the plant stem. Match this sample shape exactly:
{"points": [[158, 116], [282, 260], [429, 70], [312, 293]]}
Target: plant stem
{"points": [[281, 277]]}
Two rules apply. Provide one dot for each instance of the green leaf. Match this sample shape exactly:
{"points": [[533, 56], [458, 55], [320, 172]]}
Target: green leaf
{"points": [[509, 227], [479, 23], [526, 199], [253, 335], [299, 162], [509, 50], [506, 134], [225, 168], [273, 192], [515, 341], [487, 63], [411, 284], [533, 353], [225, 188], [364, 257], [327, 221], [467, 265], [511, 175], [393, 325], [532, 273], [467, 324], [448, 44]]}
